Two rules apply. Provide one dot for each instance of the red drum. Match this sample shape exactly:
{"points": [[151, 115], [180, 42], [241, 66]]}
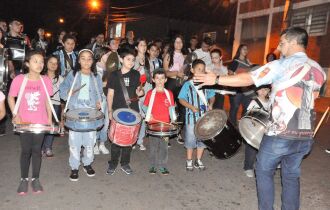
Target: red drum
{"points": [[125, 126]]}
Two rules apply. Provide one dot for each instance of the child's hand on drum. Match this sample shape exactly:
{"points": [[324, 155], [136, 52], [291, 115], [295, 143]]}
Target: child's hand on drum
{"points": [[98, 105], [195, 109]]}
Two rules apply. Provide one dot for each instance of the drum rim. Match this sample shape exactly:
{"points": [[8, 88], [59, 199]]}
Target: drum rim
{"points": [[56, 128], [161, 133], [138, 116], [243, 134], [66, 117], [218, 132]]}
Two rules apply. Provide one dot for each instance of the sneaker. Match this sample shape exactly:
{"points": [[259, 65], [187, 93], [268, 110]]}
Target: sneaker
{"points": [[89, 170], [169, 145], [142, 147], [74, 175], [152, 170], [133, 147], [327, 150], [49, 153], [23, 186], [199, 164], [111, 170], [36, 186], [179, 139], [189, 165], [249, 173], [164, 171], [127, 169], [96, 150], [103, 149]]}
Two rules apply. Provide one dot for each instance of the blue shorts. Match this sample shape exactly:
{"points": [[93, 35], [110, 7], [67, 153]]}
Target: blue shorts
{"points": [[190, 140]]}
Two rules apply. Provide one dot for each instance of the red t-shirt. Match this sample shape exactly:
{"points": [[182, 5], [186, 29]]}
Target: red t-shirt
{"points": [[160, 108]]}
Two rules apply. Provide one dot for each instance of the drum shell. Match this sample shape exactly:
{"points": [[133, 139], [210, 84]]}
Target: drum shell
{"points": [[253, 126], [226, 144], [36, 128], [82, 125], [123, 135], [162, 130]]}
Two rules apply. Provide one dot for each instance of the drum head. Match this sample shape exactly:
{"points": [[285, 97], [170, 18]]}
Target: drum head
{"points": [[84, 114], [252, 130], [211, 124], [127, 116]]}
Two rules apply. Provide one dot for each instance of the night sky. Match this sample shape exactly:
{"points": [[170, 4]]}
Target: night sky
{"points": [[45, 13]]}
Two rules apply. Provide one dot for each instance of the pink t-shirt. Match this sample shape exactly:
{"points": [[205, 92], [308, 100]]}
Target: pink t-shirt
{"points": [[33, 104], [2, 96], [178, 60]]}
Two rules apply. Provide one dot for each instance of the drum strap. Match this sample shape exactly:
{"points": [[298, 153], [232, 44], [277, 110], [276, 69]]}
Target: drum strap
{"points": [[49, 101], [260, 104], [123, 87], [20, 94], [200, 94], [70, 93], [151, 103]]}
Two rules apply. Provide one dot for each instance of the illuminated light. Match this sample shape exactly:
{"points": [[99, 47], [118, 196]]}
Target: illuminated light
{"points": [[94, 4], [61, 20], [48, 34]]}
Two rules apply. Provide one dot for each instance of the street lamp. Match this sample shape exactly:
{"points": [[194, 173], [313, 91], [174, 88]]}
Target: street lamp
{"points": [[61, 20], [94, 5]]}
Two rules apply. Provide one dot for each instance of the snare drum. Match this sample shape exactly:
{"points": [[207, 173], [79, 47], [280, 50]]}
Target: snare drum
{"points": [[162, 130], [218, 134], [36, 128], [125, 126], [253, 126], [84, 119], [3, 69]]}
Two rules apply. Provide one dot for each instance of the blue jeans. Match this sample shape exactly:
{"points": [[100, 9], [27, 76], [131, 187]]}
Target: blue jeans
{"points": [[235, 102], [49, 138], [102, 135], [76, 140], [290, 153]]}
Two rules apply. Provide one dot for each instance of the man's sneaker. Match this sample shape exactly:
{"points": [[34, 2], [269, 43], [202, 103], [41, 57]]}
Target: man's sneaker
{"points": [[23, 186], [199, 164], [249, 173], [36, 186], [179, 139], [142, 147], [111, 170], [103, 149], [152, 170], [96, 149], [74, 175], [327, 150], [127, 169], [89, 170], [49, 153], [164, 171], [189, 165]]}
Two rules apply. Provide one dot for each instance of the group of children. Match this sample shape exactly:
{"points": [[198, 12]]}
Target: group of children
{"points": [[156, 103]]}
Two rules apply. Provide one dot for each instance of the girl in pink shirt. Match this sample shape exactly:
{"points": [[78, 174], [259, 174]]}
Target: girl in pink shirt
{"points": [[33, 109]]}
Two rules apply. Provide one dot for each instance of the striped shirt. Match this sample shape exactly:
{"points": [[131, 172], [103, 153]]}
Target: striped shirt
{"points": [[189, 94]]}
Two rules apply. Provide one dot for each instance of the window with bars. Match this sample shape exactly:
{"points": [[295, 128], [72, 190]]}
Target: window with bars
{"points": [[313, 19]]}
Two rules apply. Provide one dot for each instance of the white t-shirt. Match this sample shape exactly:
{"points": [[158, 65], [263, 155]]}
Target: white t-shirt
{"points": [[254, 105], [205, 56]]}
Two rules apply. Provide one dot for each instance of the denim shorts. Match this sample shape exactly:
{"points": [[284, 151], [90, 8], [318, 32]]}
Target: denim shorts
{"points": [[190, 140]]}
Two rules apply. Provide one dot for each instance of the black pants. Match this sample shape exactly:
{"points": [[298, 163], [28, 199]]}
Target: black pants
{"points": [[115, 153], [219, 101], [31, 146]]}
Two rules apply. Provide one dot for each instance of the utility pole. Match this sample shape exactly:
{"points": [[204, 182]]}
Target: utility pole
{"points": [[107, 5]]}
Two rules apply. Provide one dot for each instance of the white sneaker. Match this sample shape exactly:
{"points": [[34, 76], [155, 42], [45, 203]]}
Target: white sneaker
{"points": [[96, 150], [249, 173], [142, 147], [103, 149]]}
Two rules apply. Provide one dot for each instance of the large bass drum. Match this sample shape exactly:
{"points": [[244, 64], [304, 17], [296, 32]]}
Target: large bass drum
{"points": [[218, 134], [253, 126], [3, 69]]}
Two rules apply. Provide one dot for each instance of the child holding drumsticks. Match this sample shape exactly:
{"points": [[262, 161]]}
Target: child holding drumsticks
{"points": [[32, 108], [159, 106], [196, 103]]}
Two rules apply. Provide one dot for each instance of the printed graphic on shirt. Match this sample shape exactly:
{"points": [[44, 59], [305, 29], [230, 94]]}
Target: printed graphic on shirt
{"points": [[126, 80], [32, 100]]}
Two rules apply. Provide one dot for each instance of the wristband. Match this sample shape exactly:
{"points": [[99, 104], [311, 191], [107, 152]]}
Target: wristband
{"points": [[217, 80]]}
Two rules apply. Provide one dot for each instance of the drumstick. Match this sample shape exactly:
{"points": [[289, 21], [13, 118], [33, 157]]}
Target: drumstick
{"points": [[76, 90], [319, 124], [161, 122]]}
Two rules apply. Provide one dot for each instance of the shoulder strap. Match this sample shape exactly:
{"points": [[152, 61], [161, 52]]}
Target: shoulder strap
{"points": [[124, 89], [260, 104], [70, 92], [66, 57], [48, 99], [20, 94], [200, 94]]}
